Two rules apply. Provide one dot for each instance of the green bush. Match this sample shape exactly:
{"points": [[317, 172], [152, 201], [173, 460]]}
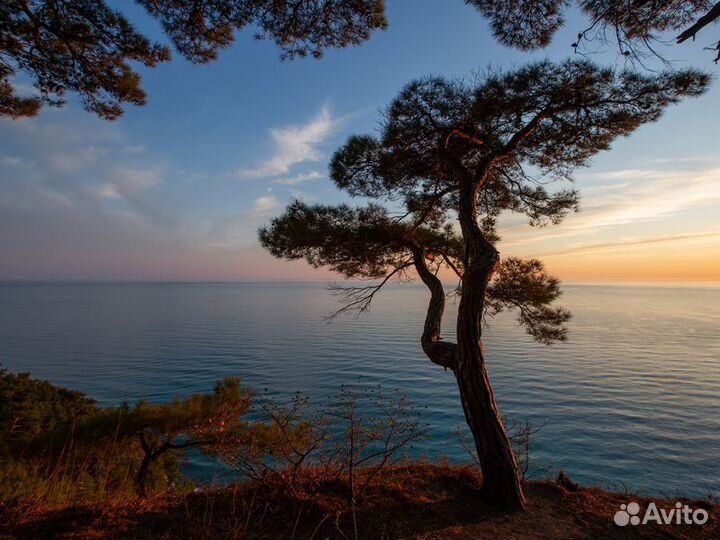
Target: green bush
{"points": [[58, 447]]}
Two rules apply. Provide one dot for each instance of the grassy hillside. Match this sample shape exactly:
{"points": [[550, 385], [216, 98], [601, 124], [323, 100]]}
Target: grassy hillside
{"points": [[418, 501], [71, 469]]}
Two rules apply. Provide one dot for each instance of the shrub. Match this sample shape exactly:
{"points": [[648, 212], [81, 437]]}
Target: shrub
{"points": [[58, 446], [353, 440]]}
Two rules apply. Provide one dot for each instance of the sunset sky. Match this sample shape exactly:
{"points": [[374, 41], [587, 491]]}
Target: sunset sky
{"points": [[177, 189]]}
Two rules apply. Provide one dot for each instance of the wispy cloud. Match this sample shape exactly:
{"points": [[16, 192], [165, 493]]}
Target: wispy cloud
{"points": [[11, 161], [299, 179], [263, 207], [644, 196], [294, 145], [82, 199], [128, 183], [676, 160], [626, 174], [98, 170], [634, 242], [77, 159]]}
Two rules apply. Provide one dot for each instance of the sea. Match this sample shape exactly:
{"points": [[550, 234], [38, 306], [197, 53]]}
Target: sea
{"points": [[630, 402]]}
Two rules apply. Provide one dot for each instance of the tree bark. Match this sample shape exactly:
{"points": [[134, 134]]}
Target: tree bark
{"points": [[501, 478], [442, 353], [701, 23], [148, 459], [141, 476]]}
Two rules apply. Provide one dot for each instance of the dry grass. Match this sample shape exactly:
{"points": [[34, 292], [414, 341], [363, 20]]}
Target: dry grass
{"points": [[417, 501]]}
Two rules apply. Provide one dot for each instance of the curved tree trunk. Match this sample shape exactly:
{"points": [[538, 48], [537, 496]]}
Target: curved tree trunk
{"points": [[442, 353], [501, 478]]}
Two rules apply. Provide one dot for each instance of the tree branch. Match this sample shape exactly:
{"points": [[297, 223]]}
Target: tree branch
{"points": [[439, 352], [430, 205], [701, 23], [360, 298], [473, 140], [522, 133]]}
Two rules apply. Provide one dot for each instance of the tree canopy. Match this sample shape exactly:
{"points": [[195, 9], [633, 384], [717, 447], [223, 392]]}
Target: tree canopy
{"points": [[541, 120], [368, 243], [523, 131], [30, 406], [635, 26], [85, 47]]}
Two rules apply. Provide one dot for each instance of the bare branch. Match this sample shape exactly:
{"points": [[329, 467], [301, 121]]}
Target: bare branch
{"points": [[359, 298]]}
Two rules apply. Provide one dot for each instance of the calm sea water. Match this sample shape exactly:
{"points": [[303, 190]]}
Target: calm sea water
{"points": [[631, 399]]}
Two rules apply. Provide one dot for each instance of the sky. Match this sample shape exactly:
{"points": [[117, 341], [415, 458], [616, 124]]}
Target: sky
{"points": [[176, 190]]}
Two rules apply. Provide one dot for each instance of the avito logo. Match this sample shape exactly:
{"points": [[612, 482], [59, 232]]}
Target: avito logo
{"points": [[681, 514]]}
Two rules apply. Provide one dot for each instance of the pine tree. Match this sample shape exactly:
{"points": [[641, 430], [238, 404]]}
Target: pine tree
{"points": [[454, 156]]}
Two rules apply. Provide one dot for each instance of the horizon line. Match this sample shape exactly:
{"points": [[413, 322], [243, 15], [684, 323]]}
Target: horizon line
{"points": [[129, 281]]}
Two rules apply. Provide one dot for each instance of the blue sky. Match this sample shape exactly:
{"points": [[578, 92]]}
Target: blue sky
{"points": [[176, 190]]}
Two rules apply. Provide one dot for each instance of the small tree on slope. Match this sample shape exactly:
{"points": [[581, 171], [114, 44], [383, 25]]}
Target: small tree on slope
{"points": [[455, 156]]}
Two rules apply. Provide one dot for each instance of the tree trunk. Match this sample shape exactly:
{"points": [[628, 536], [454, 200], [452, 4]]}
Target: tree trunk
{"points": [[500, 472], [501, 478], [150, 456], [141, 476], [442, 353]]}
